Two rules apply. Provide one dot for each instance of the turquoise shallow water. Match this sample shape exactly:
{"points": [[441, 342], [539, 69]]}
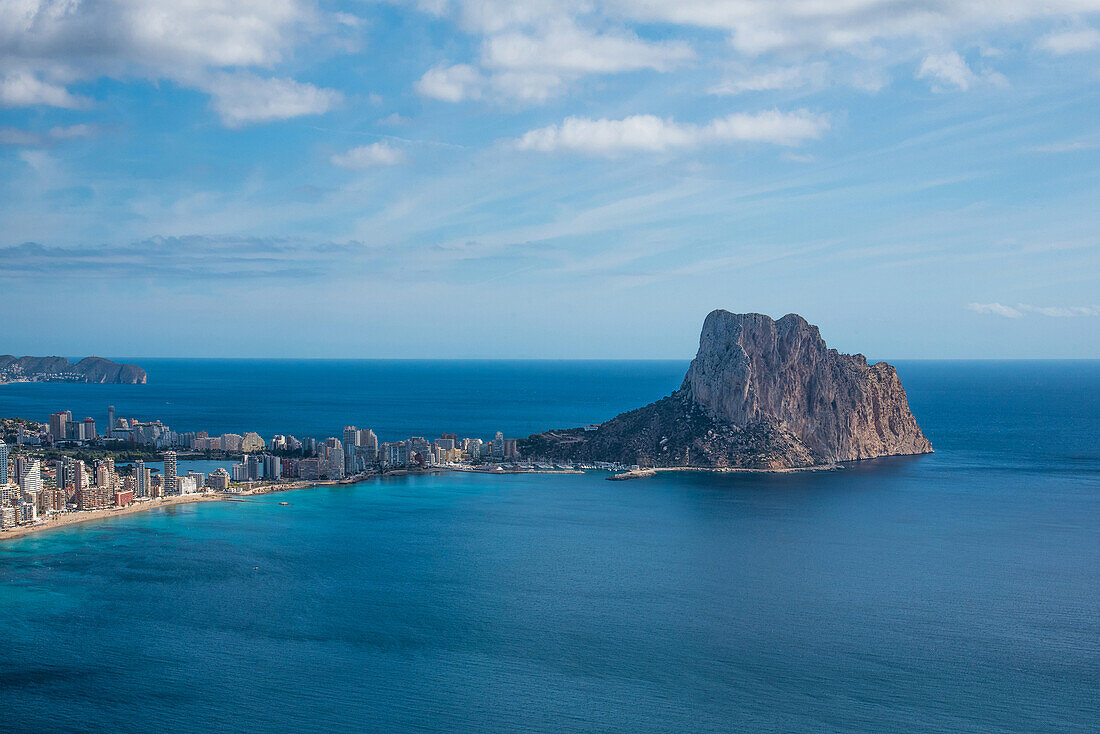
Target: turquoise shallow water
{"points": [[954, 592]]}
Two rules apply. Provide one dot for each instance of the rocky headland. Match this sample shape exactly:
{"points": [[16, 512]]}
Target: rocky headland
{"points": [[760, 394], [59, 369]]}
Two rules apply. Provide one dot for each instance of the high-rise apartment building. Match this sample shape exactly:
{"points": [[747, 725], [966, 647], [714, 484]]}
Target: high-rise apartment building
{"points": [[368, 443], [4, 454], [110, 420], [351, 437], [59, 425], [169, 473], [141, 479], [334, 465], [31, 481]]}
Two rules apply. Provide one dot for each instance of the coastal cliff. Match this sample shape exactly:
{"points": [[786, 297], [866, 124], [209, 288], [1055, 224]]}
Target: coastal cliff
{"points": [[760, 394], [59, 369]]}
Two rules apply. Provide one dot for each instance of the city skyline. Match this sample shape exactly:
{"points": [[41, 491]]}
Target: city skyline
{"points": [[480, 179]]}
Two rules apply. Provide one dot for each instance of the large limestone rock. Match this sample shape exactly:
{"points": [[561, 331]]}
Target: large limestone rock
{"points": [[759, 394], [750, 368]]}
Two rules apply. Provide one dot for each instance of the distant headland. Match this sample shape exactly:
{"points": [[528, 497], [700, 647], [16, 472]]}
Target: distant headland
{"points": [[760, 394], [59, 369]]}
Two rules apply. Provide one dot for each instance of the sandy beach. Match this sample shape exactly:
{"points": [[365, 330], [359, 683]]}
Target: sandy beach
{"points": [[63, 519]]}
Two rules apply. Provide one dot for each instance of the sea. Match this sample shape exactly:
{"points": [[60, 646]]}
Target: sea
{"points": [[953, 592]]}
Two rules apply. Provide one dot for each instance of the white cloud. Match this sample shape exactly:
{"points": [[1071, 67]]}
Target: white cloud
{"points": [[244, 98], [995, 309], [1069, 42], [565, 47], [763, 26], [1061, 312], [789, 77], [22, 89], [1020, 309], [950, 71], [1066, 146], [369, 156], [18, 136], [451, 83], [394, 119], [531, 57], [566, 39], [55, 43], [655, 134]]}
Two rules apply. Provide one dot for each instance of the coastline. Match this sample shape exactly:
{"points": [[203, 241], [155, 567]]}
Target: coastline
{"points": [[72, 518], [654, 470]]}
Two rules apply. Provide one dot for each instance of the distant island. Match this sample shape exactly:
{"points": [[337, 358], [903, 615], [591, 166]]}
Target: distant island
{"points": [[760, 394], [59, 369]]}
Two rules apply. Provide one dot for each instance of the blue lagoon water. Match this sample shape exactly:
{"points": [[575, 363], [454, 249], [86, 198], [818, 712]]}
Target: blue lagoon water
{"points": [[955, 592]]}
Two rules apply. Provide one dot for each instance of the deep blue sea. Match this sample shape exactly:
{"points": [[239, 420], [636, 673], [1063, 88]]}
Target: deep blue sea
{"points": [[956, 592]]}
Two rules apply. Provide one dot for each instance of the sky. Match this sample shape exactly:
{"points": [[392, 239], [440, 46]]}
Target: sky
{"points": [[547, 179]]}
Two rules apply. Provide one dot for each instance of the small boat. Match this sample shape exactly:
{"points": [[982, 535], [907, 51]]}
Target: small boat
{"points": [[284, 503]]}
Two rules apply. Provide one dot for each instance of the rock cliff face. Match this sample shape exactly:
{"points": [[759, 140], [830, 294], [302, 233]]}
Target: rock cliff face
{"points": [[760, 393], [59, 369]]}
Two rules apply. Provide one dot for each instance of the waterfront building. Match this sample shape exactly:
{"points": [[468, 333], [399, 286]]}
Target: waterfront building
{"points": [[207, 443], [185, 485], [28, 511], [510, 451], [198, 478], [231, 441], [293, 444], [110, 420], [255, 467], [310, 468], [273, 467], [95, 497], [334, 464], [141, 479], [170, 472], [123, 497], [218, 480], [278, 443], [419, 446], [51, 500], [8, 517], [472, 447], [351, 438], [445, 444], [252, 442], [369, 443], [498, 446], [395, 454], [4, 454], [9, 494], [240, 472]]}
